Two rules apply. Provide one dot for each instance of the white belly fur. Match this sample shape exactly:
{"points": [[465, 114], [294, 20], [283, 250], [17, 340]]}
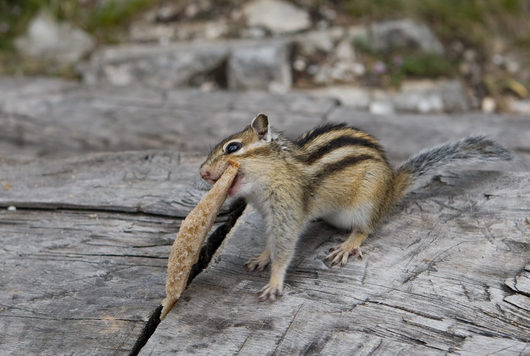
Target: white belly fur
{"points": [[349, 219]]}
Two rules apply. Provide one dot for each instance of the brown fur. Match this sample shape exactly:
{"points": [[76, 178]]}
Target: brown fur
{"points": [[326, 171], [334, 172]]}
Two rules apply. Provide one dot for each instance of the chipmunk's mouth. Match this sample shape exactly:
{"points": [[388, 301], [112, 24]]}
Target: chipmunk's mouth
{"points": [[236, 184]]}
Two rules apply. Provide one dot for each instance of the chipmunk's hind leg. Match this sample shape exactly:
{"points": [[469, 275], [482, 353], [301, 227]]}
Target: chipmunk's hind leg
{"points": [[359, 222], [339, 255]]}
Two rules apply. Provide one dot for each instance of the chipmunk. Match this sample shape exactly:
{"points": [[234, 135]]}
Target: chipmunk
{"points": [[334, 172]]}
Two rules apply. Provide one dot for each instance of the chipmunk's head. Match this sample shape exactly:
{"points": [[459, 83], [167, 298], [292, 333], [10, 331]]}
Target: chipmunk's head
{"points": [[241, 147]]}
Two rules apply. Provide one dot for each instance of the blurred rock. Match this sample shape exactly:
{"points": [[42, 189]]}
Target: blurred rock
{"points": [[518, 106], [414, 96], [299, 64], [59, 42], [240, 64], [264, 66], [253, 32], [355, 33], [352, 96], [164, 33], [512, 66], [488, 105], [405, 33], [147, 32], [175, 65], [344, 50], [276, 16], [379, 107], [417, 101], [166, 12], [323, 41], [431, 96], [337, 71]]}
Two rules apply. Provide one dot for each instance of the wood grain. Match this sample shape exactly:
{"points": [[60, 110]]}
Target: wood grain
{"points": [[83, 257], [160, 183], [431, 282]]}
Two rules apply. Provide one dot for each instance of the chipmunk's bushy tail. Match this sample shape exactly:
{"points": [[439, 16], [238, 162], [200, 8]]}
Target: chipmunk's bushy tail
{"points": [[470, 149]]}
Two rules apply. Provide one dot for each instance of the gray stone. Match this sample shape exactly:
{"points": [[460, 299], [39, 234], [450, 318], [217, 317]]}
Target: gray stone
{"points": [[381, 107], [264, 66], [247, 64], [488, 105], [164, 33], [431, 97], [454, 96], [344, 50], [321, 40], [414, 96], [59, 42], [519, 106], [352, 96], [405, 33], [176, 65], [148, 32], [276, 16]]}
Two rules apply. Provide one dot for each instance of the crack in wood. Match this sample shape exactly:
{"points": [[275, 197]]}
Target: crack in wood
{"points": [[67, 319], [287, 329], [424, 315], [212, 244], [373, 350]]}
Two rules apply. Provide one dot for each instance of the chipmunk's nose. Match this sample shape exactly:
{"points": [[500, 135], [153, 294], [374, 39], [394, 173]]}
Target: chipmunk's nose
{"points": [[205, 173]]}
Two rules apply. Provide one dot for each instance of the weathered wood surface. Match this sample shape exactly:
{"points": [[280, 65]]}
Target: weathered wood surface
{"points": [[52, 118], [57, 118], [432, 281], [83, 258], [83, 263], [79, 282], [162, 183]]}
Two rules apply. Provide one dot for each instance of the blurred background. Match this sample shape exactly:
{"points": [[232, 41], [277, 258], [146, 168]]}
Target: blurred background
{"points": [[381, 56]]}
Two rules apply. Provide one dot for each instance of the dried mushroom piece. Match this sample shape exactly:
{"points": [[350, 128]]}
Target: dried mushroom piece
{"points": [[191, 236]]}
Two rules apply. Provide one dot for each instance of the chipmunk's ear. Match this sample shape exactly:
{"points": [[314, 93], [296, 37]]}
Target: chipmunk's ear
{"points": [[261, 126]]}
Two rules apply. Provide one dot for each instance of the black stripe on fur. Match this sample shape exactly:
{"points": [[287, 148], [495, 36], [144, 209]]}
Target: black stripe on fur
{"points": [[339, 142], [314, 133]]}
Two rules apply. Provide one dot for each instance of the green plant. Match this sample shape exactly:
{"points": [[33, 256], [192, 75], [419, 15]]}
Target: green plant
{"points": [[426, 65]]}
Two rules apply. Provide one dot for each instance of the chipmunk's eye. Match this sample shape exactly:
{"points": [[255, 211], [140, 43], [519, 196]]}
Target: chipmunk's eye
{"points": [[233, 147]]}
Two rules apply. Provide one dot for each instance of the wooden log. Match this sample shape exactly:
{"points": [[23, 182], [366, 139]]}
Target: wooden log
{"points": [[431, 282], [446, 273], [83, 257], [71, 118], [160, 183], [79, 281]]}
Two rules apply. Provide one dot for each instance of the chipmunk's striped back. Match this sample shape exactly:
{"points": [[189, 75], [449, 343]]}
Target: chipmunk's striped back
{"points": [[332, 147]]}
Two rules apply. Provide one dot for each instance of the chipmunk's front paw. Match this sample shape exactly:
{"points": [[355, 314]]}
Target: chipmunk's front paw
{"points": [[340, 254], [258, 263], [270, 293]]}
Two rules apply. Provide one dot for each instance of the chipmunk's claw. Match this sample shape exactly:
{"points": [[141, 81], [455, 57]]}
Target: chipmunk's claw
{"points": [[269, 293], [339, 255], [258, 263]]}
